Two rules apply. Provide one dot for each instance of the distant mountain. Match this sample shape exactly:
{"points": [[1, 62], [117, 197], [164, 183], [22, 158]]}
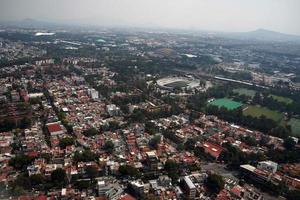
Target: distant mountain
{"points": [[30, 23], [264, 35]]}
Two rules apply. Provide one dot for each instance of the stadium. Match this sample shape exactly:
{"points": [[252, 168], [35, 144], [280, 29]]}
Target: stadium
{"points": [[169, 83]]}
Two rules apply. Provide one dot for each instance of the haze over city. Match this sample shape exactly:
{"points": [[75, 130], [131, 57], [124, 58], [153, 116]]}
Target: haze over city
{"points": [[215, 15]]}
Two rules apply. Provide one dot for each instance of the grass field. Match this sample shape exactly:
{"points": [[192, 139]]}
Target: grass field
{"points": [[244, 91], [227, 103], [295, 125], [282, 99], [256, 111]]}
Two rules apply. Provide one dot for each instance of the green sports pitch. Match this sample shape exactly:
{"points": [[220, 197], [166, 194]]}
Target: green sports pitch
{"points": [[227, 103]]}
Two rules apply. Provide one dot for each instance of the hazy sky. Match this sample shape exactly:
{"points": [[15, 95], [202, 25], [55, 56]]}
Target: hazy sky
{"points": [[221, 15]]}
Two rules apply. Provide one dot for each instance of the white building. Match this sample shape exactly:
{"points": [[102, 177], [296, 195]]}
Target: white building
{"points": [[15, 96], [139, 187], [269, 166], [35, 95], [113, 110], [94, 94], [44, 62], [189, 187], [110, 191]]}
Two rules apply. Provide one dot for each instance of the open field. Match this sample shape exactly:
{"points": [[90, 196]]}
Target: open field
{"points": [[244, 91], [256, 111], [227, 103], [295, 125], [282, 99], [251, 93]]}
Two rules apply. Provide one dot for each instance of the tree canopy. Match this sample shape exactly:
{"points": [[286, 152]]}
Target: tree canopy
{"points": [[109, 146], [215, 183]]}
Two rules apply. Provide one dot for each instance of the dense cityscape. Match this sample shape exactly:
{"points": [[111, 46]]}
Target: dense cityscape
{"points": [[128, 114]]}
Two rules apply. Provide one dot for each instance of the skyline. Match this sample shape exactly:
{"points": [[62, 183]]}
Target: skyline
{"points": [[227, 16]]}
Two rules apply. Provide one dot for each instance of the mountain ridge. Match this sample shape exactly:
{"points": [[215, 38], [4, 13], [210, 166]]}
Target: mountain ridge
{"points": [[264, 35]]}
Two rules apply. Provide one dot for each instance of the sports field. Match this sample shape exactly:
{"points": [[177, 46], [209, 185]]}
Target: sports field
{"points": [[295, 125], [227, 103], [256, 111], [244, 91], [179, 84], [282, 99]]}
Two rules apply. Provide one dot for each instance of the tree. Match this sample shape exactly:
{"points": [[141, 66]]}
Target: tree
{"points": [[109, 146], [20, 161], [111, 126], [214, 183], [154, 141], [289, 143], [18, 190], [137, 115], [22, 181], [190, 144], [172, 168], [257, 98], [293, 195], [128, 170], [25, 123], [84, 156], [67, 141], [7, 125], [82, 184], [232, 156], [150, 127], [58, 177], [250, 140], [90, 132], [180, 147], [280, 131], [91, 172], [37, 179], [46, 156]]}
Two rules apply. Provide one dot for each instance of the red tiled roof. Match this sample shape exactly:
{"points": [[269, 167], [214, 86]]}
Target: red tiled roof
{"points": [[41, 197], [127, 197], [54, 128], [3, 176], [101, 198], [32, 154], [213, 149], [237, 190], [223, 195], [25, 198]]}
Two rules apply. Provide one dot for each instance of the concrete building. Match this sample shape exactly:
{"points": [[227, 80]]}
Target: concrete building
{"points": [[189, 188], [3, 99], [152, 160], [94, 94], [44, 62], [268, 166], [139, 187], [15, 96], [113, 110], [110, 191]]}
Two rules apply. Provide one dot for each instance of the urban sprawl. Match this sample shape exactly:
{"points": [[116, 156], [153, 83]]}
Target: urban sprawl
{"points": [[130, 114]]}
